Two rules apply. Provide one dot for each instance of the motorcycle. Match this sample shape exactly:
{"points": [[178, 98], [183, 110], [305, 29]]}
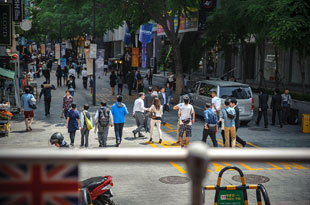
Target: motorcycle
{"points": [[97, 191]]}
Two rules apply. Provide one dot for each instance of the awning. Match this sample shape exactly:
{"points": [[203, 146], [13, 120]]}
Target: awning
{"points": [[7, 73]]}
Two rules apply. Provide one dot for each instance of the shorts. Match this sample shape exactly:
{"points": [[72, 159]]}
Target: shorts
{"points": [[185, 128], [29, 114]]}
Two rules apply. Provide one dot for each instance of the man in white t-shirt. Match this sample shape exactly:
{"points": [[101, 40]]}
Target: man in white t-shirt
{"points": [[187, 115], [216, 103], [84, 76]]}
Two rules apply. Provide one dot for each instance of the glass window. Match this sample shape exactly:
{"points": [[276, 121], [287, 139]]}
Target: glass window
{"points": [[236, 92], [206, 89]]}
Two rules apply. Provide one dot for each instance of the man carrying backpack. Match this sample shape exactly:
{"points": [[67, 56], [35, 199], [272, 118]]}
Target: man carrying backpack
{"points": [[103, 119], [210, 127], [85, 125], [28, 105]]}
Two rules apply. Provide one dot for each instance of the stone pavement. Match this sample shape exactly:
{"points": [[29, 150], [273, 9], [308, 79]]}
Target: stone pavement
{"points": [[138, 183]]}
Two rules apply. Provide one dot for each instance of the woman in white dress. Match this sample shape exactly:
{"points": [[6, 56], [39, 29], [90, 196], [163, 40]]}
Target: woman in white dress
{"points": [[156, 111]]}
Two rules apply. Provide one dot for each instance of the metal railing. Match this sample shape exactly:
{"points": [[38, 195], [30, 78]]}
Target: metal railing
{"points": [[197, 157]]}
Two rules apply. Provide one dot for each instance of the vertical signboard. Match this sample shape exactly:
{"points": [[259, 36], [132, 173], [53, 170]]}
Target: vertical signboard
{"points": [[57, 51], [135, 57], [89, 62], [17, 10], [5, 24]]}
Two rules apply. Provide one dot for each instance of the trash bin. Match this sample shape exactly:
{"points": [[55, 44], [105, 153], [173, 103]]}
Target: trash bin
{"points": [[306, 123]]}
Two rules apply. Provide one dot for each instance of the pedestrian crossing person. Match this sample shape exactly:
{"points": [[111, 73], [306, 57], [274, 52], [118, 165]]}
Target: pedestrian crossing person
{"points": [[156, 111], [229, 115], [73, 118], [85, 129], [187, 120], [103, 119], [138, 114], [210, 126]]}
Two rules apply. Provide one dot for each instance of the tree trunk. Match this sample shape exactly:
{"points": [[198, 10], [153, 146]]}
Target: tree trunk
{"points": [[178, 70], [276, 74], [301, 62], [261, 49]]}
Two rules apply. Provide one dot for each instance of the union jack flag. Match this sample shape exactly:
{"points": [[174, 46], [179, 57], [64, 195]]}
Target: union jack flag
{"points": [[36, 184]]}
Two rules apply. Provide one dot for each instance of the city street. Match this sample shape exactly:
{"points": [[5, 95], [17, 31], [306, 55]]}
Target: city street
{"points": [[137, 183]]}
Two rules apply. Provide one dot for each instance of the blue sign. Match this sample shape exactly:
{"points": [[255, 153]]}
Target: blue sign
{"points": [[127, 36], [146, 33], [63, 63]]}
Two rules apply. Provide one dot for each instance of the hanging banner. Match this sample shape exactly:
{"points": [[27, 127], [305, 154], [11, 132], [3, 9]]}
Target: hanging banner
{"points": [[43, 49], [6, 24], [135, 57], [57, 51], [100, 62], [146, 33], [17, 10], [144, 56], [89, 62], [127, 36]]}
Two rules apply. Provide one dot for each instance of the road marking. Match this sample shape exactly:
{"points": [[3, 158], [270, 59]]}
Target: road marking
{"points": [[218, 167], [248, 167], [252, 144], [175, 165], [294, 165], [274, 166]]}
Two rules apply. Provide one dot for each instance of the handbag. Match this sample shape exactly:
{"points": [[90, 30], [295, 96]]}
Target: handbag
{"points": [[88, 123], [186, 121], [153, 115]]}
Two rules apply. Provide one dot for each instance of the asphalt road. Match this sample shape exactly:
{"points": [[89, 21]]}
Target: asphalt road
{"points": [[139, 183]]}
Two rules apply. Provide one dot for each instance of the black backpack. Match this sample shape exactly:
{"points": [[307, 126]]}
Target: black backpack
{"points": [[104, 117]]}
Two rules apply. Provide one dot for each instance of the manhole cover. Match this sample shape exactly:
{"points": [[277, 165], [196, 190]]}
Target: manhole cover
{"points": [[258, 129], [252, 179], [174, 180]]}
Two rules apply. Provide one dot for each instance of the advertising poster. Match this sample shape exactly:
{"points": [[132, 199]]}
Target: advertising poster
{"points": [[100, 62], [135, 57], [186, 25], [57, 51], [89, 62]]}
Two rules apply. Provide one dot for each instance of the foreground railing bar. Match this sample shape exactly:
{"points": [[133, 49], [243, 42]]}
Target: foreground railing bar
{"points": [[155, 155]]}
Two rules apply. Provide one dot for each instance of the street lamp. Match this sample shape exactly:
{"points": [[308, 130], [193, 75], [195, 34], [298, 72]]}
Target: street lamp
{"points": [[94, 41]]}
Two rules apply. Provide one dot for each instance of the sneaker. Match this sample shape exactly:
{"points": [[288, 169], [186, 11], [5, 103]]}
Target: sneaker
{"points": [[244, 144], [151, 140], [117, 144], [100, 145], [160, 141], [141, 135], [30, 128], [27, 129], [182, 146]]}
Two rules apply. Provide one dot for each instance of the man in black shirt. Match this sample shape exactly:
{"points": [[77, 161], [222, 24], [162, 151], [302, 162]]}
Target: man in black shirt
{"points": [[262, 108], [130, 80], [276, 106], [46, 91]]}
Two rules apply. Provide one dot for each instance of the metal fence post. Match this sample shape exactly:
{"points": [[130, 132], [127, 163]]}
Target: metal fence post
{"points": [[197, 163]]}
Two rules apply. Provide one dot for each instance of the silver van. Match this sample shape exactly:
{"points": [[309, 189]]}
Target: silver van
{"points": [[201, 91]]}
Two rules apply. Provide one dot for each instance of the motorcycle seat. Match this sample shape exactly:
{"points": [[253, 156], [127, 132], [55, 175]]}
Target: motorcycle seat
{"points": [[95, 184]]}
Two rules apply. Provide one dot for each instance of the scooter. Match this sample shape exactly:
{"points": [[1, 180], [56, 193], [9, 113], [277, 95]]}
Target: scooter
{"points": [[97, 191]]}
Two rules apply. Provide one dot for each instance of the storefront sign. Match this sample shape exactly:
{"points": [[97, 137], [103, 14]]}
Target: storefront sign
{"points": [[17, 10], [5, 24]]}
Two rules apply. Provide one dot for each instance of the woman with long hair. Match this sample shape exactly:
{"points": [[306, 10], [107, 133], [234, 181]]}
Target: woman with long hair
{"points": [[156, 111]]}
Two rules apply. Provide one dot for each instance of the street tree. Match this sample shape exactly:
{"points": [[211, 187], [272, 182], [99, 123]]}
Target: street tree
{"points": [[290, 21]]}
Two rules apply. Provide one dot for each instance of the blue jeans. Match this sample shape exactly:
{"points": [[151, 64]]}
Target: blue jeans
{"points": [[118, 128], [72, 93]]}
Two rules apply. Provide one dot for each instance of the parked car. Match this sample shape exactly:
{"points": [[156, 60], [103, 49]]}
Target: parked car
{"points": [[200, 94]]}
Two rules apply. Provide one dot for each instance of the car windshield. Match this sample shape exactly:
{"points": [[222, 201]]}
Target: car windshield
{"points": [[236, 92]]}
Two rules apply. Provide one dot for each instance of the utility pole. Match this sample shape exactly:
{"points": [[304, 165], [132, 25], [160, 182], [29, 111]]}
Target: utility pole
{"points": [[94, 41]]}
